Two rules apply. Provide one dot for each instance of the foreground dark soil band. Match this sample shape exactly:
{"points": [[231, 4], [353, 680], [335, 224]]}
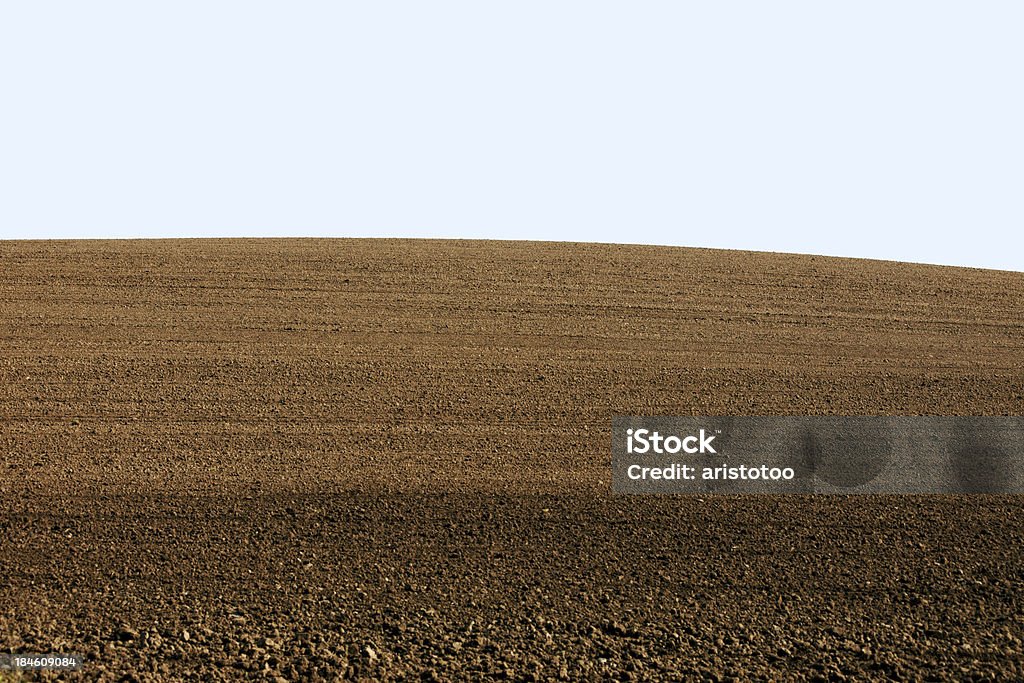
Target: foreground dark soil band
{"points": [[309, 459]]}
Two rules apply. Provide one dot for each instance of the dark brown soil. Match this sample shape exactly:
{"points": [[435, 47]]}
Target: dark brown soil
{"points": [[305, 459]]}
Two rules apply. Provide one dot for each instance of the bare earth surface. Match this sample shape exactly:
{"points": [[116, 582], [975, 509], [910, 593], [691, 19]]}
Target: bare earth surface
{"points": [[310, 459]]}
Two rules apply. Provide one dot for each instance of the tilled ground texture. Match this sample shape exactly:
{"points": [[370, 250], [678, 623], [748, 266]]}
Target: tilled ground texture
{"points": [[386, 459]]}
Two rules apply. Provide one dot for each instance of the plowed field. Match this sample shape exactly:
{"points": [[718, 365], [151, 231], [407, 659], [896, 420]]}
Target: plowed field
{"points": [[390, 459]]}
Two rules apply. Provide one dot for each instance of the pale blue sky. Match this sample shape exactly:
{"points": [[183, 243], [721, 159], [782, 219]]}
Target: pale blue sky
{"points": [[875, 129]]}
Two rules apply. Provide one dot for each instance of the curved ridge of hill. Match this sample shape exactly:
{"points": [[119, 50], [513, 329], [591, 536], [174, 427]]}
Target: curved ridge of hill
{"points": [[389, 459]]}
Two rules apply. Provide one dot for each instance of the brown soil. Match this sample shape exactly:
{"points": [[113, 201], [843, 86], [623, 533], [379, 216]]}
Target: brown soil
{"points": [[239, 459]]}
